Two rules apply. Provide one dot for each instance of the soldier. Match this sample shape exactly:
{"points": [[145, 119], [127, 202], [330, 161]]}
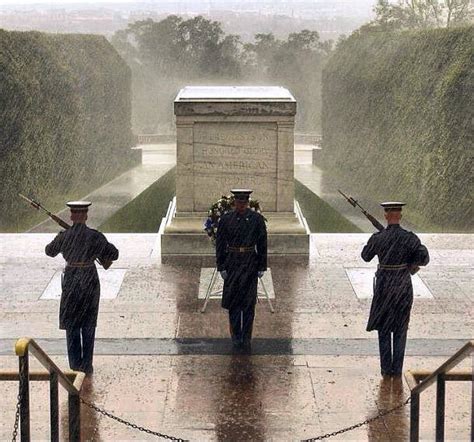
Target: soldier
{"points": [[399, 251], [241, 252], [80, 246]]}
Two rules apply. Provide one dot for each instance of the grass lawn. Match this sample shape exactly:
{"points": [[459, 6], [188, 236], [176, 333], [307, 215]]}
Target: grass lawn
{"points": [[145, 212], [320, 216]]}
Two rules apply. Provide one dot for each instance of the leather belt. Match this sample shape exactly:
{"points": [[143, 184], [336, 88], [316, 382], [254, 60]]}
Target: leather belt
{"points": [[392, 267], [243, 249], [80, 264]]}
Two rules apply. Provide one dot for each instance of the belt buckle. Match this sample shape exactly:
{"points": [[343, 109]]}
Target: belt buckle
{"points": [[241, 249]]}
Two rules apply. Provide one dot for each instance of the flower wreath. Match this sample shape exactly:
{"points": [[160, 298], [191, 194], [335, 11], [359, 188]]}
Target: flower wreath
{"points": [[222, 206]]}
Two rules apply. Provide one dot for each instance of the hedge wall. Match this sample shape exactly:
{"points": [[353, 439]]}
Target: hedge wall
{"points": [[398, 121], [65, 111]]}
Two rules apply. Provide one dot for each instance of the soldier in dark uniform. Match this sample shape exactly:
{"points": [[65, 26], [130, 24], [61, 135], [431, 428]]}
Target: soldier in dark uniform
{"points": [[399, 252], [79, 307], [241, 252]]}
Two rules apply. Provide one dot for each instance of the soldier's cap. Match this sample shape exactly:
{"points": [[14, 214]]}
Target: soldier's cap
{"points": [[78, 206], [241, 194], [392, 205]]}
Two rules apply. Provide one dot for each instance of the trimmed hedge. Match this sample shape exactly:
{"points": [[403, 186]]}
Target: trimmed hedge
{"points": [[65, 109], [398, 121]]}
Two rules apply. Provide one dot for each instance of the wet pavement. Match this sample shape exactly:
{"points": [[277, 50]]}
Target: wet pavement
{"points": [[156, 161], [313, 369]]}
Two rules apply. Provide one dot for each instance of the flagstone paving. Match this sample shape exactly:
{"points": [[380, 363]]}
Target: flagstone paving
{"points": [[164, 365]]}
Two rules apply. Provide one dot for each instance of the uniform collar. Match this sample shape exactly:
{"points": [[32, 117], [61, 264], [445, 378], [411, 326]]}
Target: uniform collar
{"points": [[393, 226], [242, 215]]}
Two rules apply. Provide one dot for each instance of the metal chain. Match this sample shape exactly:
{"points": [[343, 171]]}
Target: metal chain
{"points": [[353, 427], [130, 424], [17, 411], [17, 418]]}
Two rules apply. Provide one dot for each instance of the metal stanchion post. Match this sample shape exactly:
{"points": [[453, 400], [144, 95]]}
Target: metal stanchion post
{"points": [[415, 417], [54, 406], [440, 406], [24, 398], [74, 405]]}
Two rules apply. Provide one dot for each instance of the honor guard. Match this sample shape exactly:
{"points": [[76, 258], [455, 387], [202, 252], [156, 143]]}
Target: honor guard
{"points": [[241, 254], [398, 251], [79, 307]]}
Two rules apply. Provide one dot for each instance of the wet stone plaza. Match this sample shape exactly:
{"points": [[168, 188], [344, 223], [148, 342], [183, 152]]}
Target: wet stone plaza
{"points": [[164, 365]]}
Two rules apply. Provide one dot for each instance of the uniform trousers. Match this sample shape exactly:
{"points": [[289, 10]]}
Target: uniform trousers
{"points": [[391, 362], [241, 324], [79, 353]]}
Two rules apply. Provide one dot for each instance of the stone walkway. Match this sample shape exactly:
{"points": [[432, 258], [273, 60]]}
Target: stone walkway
{"points": [[156, 161], [164, 365]]}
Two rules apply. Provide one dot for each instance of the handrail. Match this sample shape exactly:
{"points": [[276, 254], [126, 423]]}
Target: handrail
{"points": [[23, 345], [440, 376], [454, 360]]}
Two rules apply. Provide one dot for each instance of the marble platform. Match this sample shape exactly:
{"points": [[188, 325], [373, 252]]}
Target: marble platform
{"points": [[161, 363]]}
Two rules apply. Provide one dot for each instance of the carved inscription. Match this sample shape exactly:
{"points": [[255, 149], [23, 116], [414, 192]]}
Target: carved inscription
{"points": [[228, 155]]}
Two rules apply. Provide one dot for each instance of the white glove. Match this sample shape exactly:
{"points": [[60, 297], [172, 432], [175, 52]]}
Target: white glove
{"points": [[260, 273], [224, 274]]}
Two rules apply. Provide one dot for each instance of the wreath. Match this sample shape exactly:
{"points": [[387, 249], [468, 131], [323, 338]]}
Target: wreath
{"points": [[222, 206]]}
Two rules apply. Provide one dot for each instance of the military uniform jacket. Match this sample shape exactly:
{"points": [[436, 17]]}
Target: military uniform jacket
{"points": [[246, 230], [393, 290], [80, 285]]}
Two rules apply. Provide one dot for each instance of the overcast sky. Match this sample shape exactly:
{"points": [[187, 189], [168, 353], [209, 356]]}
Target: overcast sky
{"points": [[69, 2]]}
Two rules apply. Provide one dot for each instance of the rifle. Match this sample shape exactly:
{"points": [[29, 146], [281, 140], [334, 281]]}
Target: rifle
{"points": [[412, 268], [371, 218], [62, 223]]}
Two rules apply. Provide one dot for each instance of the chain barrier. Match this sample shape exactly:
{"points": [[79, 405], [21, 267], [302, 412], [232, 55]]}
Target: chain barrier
{"points": [[166, 436], [353, 427], [17, 411], [17, 418], [130, 424]]}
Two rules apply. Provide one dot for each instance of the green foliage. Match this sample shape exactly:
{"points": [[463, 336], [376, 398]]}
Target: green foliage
{"points": [[145, 212], [397, 121], [295, 63], [421, 14], [65, 110], [169, 54], [320, 216]]}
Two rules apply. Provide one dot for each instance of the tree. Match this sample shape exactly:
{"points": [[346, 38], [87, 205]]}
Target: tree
{"points": [[419, 14]]}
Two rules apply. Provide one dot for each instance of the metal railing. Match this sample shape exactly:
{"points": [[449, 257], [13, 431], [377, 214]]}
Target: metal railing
{"points": [[71, 381], [420, 380]]}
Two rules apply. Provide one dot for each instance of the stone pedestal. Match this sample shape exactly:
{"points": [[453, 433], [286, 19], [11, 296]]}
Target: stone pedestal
{"points": [[234, 137]]}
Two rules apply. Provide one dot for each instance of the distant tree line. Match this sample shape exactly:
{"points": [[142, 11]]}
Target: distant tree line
{"points": [[171, 53], [174, 52], [421, 14]]}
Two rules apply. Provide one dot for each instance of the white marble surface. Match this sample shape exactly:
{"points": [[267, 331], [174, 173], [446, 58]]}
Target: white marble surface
{"points": [[362, 280], [216, 290], [192, 93], [110, 284]]}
